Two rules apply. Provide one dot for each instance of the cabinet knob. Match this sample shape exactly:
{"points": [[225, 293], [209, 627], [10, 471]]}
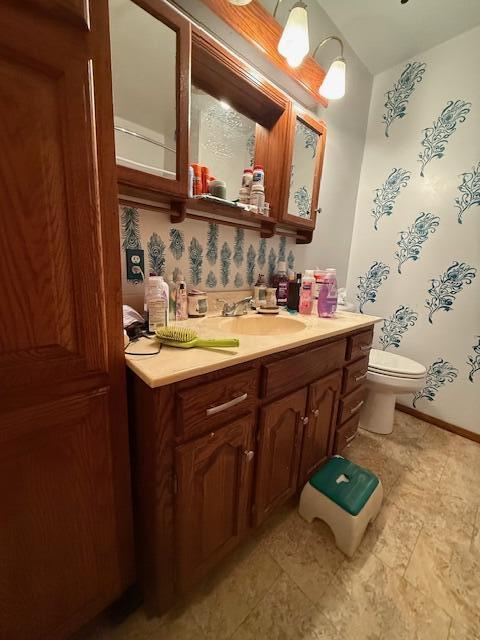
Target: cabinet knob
{"points": [[304, 420], [249, 455], [316, 413]]}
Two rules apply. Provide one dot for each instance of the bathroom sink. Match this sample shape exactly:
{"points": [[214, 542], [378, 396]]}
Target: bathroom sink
{"points": [[258, 325]]}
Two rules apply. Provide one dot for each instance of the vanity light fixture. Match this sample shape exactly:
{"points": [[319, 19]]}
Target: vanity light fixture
{"points": [[225, 105], [294, 43], [240, 3], [333, 85]]}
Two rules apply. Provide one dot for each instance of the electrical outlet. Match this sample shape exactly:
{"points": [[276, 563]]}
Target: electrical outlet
{"points": [[135, 264]]}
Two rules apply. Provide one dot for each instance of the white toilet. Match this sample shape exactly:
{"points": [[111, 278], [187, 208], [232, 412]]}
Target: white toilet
{"points": [[388, 376]]}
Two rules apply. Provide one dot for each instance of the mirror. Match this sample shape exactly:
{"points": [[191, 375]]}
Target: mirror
{"points": [[305, 149], [144, 54], [221, 139]]}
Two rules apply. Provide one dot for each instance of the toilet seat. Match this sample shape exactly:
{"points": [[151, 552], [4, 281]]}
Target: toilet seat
{"points": [[393, 365]]}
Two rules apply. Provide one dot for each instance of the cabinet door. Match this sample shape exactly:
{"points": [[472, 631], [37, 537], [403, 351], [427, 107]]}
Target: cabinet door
{"points": [[151, 93], [317, 444], [280, 438], [214, 478], [66, 548]]}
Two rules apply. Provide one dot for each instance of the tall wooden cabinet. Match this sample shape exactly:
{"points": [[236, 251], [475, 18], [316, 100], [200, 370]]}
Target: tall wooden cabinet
{"points": [[65, 534]]}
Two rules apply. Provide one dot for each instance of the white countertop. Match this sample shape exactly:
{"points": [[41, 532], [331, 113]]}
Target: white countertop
{"points": [[173, 364]]}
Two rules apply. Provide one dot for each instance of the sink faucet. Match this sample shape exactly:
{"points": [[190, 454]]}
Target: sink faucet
{"points": [[235, 308]]}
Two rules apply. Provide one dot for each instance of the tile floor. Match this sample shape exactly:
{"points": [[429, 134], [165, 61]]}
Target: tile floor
{"points": [[416, 574]]}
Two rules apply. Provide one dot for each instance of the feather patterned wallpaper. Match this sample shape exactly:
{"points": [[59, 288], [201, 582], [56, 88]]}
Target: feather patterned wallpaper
{"points": [[415, 256], [211, 257]]}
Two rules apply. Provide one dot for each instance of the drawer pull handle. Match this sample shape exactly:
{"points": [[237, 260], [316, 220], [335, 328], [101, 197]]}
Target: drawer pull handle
{"points": [[357, 407], [249, 455], [226, 405], [350, 438], [362, 377], [316, 413], [366, 347]]}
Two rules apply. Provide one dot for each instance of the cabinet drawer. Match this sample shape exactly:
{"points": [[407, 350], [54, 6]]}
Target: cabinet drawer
{"points": [[346, 434], [360, 344], [351, 404], [354, 375], [299, 370], [209, 405]]}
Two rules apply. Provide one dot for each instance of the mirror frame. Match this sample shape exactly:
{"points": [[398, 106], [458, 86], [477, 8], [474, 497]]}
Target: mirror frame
{"points": [[319, 127], [133, 181]]}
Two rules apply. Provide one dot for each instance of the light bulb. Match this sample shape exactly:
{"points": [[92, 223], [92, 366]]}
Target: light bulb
{"points": [[333, 85], [294, 43], [240, 3]]}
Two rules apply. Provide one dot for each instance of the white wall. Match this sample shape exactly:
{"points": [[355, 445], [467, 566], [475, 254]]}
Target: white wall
{"points": [[346, 122], [452, 72]]}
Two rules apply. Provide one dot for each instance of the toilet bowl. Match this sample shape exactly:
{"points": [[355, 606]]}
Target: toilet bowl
{"points": [[388, 376]]}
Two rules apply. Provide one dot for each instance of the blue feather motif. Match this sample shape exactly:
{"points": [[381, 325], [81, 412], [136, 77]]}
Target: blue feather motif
{"points": [[445, 288], [212, 243], [238, 282], [211, 280], [196, 260], [262, 250], [291, 260], [177, 243], [439, 373], [398, 97], [238, 243], [282, 247], [411, 241], [474, 361], [436, 137], [370, 282], [272, 265], [303, 201], [470, 192], [225, 255], [251, 255], [131, 228], [395, 326], [310, 137], [387, 194], [156, 254]]}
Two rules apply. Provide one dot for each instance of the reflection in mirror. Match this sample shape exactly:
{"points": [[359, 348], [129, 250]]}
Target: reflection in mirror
{"points": [[221, 139], [144, 52], [303, 170]]}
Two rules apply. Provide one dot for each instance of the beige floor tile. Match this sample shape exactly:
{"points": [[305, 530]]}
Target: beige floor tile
{"points": [[224, 600], [462, 479], [392, 536], [306, 552], [449, 575], [466, 451], [407, 429], [370, 601], [285, 613], [458, 631], [388, 470]]}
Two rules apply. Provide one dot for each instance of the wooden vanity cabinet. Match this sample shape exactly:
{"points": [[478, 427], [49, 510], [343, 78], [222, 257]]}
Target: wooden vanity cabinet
{"points": [[280, 433], [216, 454], [214, 476]]}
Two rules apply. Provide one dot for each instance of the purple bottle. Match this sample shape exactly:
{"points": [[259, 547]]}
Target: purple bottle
{"points": [[327, 294]]}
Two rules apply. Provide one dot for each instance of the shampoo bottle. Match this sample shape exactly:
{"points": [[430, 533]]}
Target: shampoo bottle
{"points": [[281, 284], [327, 294], [306, 293]]}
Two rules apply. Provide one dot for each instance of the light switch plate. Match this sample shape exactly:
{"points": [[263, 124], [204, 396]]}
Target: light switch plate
{"points": [[135, 264]]}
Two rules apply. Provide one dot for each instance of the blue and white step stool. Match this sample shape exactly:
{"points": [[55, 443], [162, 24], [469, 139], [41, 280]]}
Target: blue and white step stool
{"points": [[346, 497]]}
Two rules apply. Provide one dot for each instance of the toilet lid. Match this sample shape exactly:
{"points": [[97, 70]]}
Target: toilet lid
{"points": [[392, 364]]}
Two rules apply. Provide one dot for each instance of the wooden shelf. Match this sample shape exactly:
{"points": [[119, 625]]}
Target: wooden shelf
{"points": [[195, 207]]}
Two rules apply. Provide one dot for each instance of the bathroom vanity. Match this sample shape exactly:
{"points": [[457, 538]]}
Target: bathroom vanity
{"points": [[222, 439]]}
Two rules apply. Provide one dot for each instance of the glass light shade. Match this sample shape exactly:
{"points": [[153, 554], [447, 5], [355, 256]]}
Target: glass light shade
{"points": [[295, 60], [294, 43], [333, 85], [240, 3]]}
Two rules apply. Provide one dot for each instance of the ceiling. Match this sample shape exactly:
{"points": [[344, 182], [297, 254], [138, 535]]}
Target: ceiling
{"points": [[384, 33]]}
